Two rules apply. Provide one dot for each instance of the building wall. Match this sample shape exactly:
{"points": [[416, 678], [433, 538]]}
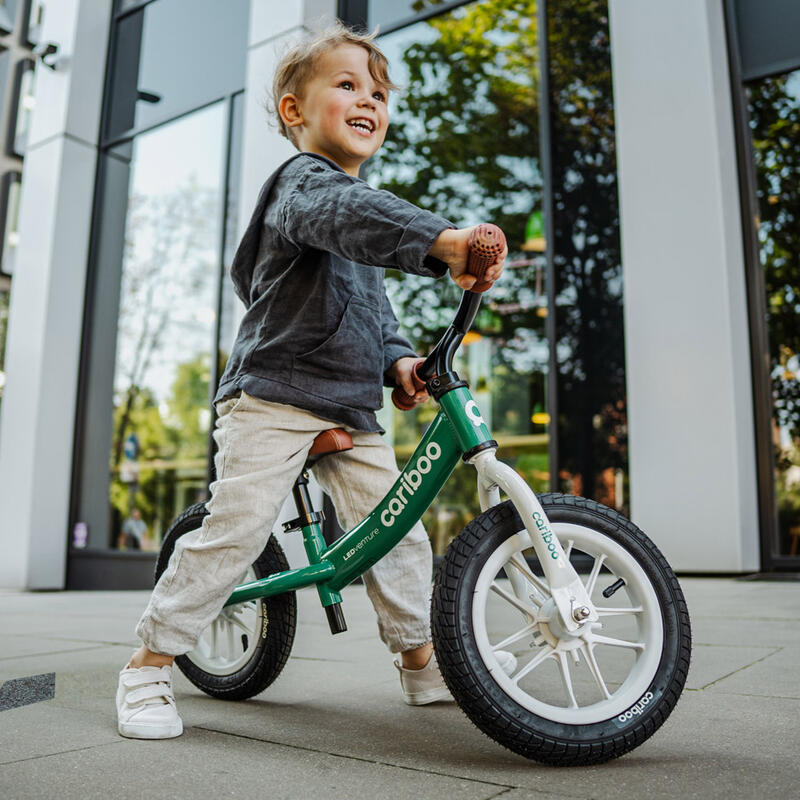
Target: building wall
{"points": [[46, 313], [692, 450]]}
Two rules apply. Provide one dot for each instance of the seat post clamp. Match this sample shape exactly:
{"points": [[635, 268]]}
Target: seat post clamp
{"points": [[301, 522]]}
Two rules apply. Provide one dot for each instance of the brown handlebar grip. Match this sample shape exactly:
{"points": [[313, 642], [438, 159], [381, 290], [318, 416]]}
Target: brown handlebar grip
{"points": [[403, 401], [486, 243]]}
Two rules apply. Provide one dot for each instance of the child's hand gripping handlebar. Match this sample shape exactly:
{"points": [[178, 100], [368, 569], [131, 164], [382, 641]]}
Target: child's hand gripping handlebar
{"points": [[404, 401], [486, 243]]}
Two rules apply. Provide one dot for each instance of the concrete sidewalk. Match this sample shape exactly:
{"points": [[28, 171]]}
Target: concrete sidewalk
{"points": [[335, 722]]}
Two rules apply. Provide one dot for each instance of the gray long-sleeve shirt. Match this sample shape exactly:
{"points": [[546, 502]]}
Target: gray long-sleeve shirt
{"points": [[319, 332]]}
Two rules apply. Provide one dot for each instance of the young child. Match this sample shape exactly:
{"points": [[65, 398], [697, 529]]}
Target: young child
{"points": [[315, 346]]}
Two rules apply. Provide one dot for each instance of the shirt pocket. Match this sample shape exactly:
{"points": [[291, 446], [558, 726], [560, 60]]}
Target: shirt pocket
{"points": [[347, 367]]}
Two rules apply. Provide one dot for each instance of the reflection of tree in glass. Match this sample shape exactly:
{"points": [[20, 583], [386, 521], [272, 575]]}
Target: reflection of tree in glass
{"points": [[145, 418], [189, 415], [775, 124], [179, 436], [166, 295], [590, 349], [464, 142]]}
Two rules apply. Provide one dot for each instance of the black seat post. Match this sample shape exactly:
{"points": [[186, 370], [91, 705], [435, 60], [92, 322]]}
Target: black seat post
{"points": [[309, 521]]}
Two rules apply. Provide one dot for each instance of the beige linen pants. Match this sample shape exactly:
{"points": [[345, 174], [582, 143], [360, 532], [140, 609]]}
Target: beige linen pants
{"points": [[262, 448]]}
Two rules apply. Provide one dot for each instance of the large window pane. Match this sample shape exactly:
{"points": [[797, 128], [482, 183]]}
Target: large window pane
{"points": [[464, 142], [775, 125], [590, 349], [163, 65], [162, 370]]}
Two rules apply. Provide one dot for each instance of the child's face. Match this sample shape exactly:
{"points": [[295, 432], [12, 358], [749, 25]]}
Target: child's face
{"points": [[342, 113]]}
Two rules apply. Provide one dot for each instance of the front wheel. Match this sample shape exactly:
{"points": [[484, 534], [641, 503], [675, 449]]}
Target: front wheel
{"points": [[573, 698], [245, 648]]}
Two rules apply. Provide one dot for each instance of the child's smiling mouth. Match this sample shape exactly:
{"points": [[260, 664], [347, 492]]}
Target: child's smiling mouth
{"points": [[364, 126]]}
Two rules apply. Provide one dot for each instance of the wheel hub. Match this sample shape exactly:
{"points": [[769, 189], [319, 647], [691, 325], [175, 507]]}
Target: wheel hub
{"points": [[554, 632]]}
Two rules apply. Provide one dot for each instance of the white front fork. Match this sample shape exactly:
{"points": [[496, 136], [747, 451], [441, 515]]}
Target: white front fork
{"points": [[566, 587]]}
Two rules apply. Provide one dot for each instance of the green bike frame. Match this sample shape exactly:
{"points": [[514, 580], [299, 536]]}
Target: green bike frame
{"points": [[457, 428]]}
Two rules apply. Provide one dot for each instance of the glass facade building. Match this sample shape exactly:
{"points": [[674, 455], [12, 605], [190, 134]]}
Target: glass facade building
{"points": [[519, 112]]}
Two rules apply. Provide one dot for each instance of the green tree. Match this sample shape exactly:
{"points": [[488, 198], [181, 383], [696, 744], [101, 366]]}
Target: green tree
{"points": [[775, 126], [144, 420], [166, 234], [464, 142], [189, 413], [592, 418], [179, 435]]}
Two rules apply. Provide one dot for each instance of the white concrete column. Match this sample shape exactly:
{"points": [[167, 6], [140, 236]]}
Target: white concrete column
{"points": [[690, 408], [273, 27], [46, 313]]}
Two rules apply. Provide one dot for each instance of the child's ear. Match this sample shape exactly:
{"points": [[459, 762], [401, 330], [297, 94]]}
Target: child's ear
{"points": [[289, 109]]}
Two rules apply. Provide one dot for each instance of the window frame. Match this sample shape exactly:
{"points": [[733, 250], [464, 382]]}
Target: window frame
{"points": [[96, 566]]}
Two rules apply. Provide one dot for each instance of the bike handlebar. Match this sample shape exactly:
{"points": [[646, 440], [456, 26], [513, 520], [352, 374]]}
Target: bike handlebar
{"points": [[486, 243]]}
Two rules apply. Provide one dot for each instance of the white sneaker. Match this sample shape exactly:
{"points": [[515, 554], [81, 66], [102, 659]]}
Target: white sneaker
{"points": [[146, 705], [426, 685]]}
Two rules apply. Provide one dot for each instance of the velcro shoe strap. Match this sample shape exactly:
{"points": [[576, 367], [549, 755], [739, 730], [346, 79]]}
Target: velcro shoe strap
{"points": [[151, 692], [143, 677]]}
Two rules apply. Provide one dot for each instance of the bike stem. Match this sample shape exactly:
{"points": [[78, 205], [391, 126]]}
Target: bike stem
{"points": [[440, 359]]}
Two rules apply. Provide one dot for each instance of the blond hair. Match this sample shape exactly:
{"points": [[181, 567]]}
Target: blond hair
{"points": [[296, 67]]}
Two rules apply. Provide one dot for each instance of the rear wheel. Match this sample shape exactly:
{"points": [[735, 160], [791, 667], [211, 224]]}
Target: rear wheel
{"points": [[573, 698], [245, 648]]}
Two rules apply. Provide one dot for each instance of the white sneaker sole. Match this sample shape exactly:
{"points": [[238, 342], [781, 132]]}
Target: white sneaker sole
{"points": [[132, 730], [428, 696]]}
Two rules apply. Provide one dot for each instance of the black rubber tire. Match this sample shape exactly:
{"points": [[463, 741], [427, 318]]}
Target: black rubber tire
{"points": [[492, 709], [278, 614]]}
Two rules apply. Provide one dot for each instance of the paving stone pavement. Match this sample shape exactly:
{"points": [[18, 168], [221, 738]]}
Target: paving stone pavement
{"points": [[335, 721]]}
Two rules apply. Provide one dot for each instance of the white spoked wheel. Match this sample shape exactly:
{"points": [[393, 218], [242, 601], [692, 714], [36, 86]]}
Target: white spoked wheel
{"points": [[245, 648], [566, 697], [602, 670], [232, 638]]}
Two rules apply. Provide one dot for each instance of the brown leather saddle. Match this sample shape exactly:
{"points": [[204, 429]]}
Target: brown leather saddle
{"points": [[335, 440]]}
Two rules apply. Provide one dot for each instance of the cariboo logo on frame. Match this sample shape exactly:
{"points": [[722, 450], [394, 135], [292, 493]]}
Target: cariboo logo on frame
{"points": [[409, 483]]}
